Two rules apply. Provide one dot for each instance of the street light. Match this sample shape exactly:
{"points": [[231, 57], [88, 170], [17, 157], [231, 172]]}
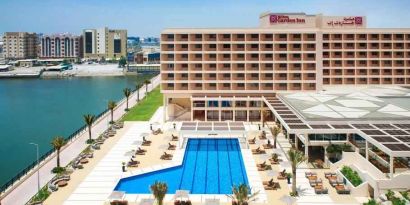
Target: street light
{"points": [[38, 168]]}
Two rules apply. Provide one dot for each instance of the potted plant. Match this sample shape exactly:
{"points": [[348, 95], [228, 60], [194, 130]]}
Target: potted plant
{"points": [[159, 189]]}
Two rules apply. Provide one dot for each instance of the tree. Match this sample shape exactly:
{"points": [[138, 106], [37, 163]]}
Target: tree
{"points": [[137, 87], [296, 157], [264, 116], [127, 93], [241, 195], [89, 120], [146, 82], [111, 106], [275, 131], [122, 62], [159, 189], [58, 143]]}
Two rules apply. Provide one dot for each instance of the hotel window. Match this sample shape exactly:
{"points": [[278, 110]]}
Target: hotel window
{"points": [[325, 45], [241, 85], [399, 37], [198, 36], [226, 103], [198, 46], [240, 104], [296, 46], [386, 37], [213, 65], [198, 85], [213, 103], [268, 46], [198, 65], [255, 103], [170, 36], [170, 76], [282, 46], [198, 75], [226, 65], [226, 85], [327, 137], [212, 75], [226, 75], [212, 115], [199, 103], [226, 46]]}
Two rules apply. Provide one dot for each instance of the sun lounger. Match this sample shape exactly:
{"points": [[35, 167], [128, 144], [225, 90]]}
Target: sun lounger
{"points": [[252, 141], [174, 138], [156, 132], [133, 163], [171, 146], [262, 136], [272, 186], [166, 156], [258, 151]]}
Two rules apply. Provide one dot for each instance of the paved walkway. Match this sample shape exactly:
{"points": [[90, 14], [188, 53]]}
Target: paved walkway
{"points": [[23, 191]]}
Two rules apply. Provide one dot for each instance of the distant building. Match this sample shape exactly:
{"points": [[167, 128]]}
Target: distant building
{"points": [[104, 43], [19, 45], [154, 58], [61, 46], [139, 58]]}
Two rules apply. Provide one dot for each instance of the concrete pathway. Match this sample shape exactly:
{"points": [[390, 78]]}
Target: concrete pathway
{"points": [[22, 191]]}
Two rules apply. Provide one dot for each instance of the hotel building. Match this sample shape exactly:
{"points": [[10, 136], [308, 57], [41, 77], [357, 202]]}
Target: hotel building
{"points": [[324, 79], [61, 46], [104, 42], [19, 45]]}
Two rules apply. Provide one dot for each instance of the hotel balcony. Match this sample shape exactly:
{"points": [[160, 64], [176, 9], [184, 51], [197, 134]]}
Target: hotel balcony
{"points": [[336, 37], [195, 37], [361, 37], [348, 54], [348, 46], [167, 47], [336, 81], [210, 47], [309, 76], [398, 46], [386, 46], [183, 76], [210, 67], [281, 47], [238, 57], [267, 57], [374, 72], [398, 63], [361, 81], [267, 86], [238, 47], [252, 47], [238, 37], [238, 76], [386, 63], [361, 46], [210, 86], [398, 37], [210, 76], [373, 45], [195, 67], [398, 54], [195, 86], [167, 37], [224, 57], [167, 86], [295, 37], [349, 81], [267, 76], [224, 86], [309, 66], [386, 81], [349, 72], [195, 47], [295, 86], [210, 37], [281, 86], [374, 81], [266, 37], [238, 67], [348, 37], [295, 47], [399, 81], [252, 76], [309, 56], [266, 47], [295, 67], [238, 86], [194, 57], [252, 86], [387, 72], [196, 76], [309, 47], [181, 47], [266, 67], [252, 37], [281, 37], [167, 57], [224, 47], [309, 37], [281, 57], [373, 37], [181, 37], [252, 57], [362, 72], [336, 46], [281, 76], [210, 57], [386, 37], [224, 77], [181, 57], [181, 86], [295, 76], [224, 37], [399, 72], [252, 67], [224, 67]]}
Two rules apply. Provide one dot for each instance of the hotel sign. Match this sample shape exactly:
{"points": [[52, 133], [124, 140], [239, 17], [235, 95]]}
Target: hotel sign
{"points": [[346, 21], [284, 19]]}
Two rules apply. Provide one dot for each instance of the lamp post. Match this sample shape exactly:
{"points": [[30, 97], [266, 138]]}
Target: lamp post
{"points": [[38, 168]]}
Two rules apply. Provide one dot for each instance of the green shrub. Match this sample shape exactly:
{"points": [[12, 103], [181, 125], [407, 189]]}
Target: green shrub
{"points": [[405, 195], [90, 141], [58, 170], [41, 195], [371, 202], [389, 194], [351, 175]]}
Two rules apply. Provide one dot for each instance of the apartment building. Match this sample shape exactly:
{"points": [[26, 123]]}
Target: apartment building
{"points": [[104, 43], [61, 46], [288, 52], [19, 45]]}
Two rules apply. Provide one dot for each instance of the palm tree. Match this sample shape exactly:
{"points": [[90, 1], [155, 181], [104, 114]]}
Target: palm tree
{"points": [[137, 87], [241, 195], [58, 143], [127, 93], [159, 189], [146, 82], [296, 157], [275, 131], [89, 120], [111, 106]]}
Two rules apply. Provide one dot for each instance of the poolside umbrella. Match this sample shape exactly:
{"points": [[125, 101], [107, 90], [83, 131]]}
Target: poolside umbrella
{"points": [[116, 195], [288, 199], [181, 194]]}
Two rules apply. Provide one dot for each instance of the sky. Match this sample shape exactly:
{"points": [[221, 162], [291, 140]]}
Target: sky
{"points": [[150, 17]]}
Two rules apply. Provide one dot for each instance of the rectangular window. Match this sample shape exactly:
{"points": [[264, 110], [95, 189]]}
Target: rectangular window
{"points": [[117, 45]]}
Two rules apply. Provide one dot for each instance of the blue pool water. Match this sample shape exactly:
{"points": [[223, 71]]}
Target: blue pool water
{"points": [[210, 166]]}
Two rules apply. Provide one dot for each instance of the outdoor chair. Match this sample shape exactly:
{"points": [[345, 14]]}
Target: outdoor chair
{"points": [[166, 156], [174, 138], [252, 141], [171, 146]]}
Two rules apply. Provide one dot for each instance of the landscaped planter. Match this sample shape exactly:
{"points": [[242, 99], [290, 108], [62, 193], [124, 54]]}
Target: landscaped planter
{"points": [[351, 175]]}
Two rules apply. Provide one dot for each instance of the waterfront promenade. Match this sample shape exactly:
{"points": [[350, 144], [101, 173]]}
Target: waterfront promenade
{"points": [[23, 190]]}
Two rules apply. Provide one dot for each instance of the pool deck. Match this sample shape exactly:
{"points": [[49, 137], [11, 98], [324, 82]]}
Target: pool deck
{"points": [[94, 183]]}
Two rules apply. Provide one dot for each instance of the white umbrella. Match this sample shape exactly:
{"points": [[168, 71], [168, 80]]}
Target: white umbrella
{"points": [[288, 199]]}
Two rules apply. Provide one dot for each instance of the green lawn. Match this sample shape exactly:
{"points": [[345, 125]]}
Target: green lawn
{"points": [[144, 110]]}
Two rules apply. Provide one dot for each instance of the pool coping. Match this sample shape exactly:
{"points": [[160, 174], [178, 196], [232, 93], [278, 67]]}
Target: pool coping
{"points": [[254, 179]]}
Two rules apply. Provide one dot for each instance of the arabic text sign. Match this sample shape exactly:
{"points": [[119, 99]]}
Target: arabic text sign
{"points": [[347, 21]]}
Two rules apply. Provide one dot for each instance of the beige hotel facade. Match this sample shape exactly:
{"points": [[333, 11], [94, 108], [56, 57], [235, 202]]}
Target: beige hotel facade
{"points": [[220, 74]]}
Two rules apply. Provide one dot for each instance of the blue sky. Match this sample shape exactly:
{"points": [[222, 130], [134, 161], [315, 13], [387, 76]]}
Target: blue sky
{"points": [[149, 17]]}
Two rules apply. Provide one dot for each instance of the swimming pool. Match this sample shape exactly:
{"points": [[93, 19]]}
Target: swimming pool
{"points": [[210, 166]]}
